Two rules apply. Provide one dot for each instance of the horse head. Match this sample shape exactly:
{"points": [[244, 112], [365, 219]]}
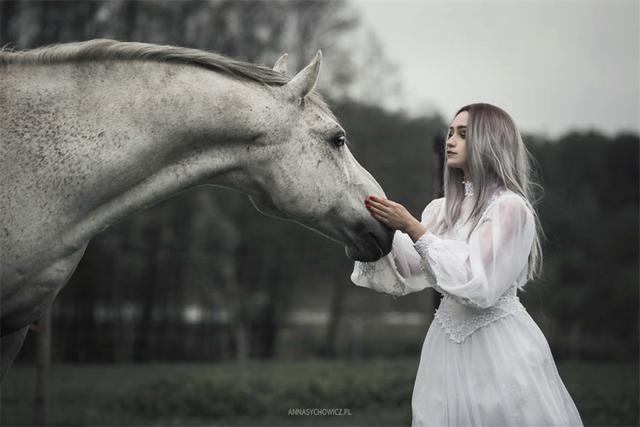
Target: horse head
{"points": [[315, 180]]}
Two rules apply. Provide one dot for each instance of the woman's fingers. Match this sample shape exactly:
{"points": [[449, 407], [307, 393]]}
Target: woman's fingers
{"points": [[376, 210], [381, 209], [377, 213], [378, 205], [380, 218], [392, 214], [381, 201]]}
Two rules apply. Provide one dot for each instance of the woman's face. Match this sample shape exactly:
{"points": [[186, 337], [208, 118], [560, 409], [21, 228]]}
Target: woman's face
{"points": [[456, 143]]}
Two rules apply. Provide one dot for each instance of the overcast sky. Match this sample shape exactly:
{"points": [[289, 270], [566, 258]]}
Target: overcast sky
{"points": [[552, 65]]}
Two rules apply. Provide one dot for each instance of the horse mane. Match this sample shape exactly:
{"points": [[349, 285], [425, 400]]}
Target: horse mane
{"points": [[106, 49]]}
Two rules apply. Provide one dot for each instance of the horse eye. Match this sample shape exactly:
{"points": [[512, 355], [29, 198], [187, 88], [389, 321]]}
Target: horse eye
{"points": [[339, 140]]}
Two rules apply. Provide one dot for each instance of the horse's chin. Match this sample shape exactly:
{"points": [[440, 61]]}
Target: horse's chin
{"points": [[369, 254]]}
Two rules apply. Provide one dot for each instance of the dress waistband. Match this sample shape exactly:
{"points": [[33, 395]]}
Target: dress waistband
{"points": [[459, 320]]}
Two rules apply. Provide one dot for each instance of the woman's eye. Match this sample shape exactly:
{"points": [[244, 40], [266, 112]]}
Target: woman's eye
{"points": [[339, 140]]}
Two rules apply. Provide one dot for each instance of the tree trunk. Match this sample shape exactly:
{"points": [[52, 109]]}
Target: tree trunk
{"points": [[7, 14], [438, 149], [43, 371], [234, 301], [144, 328], [335, 316]]}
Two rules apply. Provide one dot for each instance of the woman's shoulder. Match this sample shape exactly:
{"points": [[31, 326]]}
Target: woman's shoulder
{"points": [[506, 198], [434, 204], [433, 207], [505, 193]]}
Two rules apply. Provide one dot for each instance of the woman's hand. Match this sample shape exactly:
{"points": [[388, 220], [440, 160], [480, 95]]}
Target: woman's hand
{"points": [[394, 216]]}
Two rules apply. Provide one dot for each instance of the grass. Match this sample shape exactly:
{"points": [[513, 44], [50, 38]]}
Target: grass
{"points": [[376, 392]]}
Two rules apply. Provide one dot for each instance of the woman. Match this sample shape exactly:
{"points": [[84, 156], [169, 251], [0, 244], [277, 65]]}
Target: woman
{"points": [[484, 360]]}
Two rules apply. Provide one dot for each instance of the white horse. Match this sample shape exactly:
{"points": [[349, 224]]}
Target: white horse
{"points": [[93, 131]]}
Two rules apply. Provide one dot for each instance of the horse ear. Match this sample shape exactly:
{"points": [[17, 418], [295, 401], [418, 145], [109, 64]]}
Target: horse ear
{"points": [[305, 81], [281, 65]]}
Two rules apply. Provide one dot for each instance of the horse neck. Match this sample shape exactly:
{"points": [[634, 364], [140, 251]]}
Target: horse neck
{"points": [[115, 137]]}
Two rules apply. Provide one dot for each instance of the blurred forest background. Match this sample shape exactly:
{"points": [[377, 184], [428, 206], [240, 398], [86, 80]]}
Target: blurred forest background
{"points": [[204, 277]]}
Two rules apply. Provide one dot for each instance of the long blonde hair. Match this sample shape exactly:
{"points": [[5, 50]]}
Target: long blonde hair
{"points": [[496, 154]]}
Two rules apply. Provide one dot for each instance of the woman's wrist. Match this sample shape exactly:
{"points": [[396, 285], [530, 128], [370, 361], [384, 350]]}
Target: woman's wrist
{"points": [[415, 230]]}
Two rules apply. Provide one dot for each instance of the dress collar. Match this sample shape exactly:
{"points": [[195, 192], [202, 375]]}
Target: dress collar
{"points": [[468, 188]]}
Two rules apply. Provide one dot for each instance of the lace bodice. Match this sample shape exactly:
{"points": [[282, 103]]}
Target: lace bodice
{"points": [[460, 320]]}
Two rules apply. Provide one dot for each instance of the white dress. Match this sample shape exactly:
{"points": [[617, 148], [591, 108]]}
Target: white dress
{"points": [[484, 361]]}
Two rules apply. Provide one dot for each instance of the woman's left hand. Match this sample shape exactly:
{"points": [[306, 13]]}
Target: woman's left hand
{"points": [[392, 214]]}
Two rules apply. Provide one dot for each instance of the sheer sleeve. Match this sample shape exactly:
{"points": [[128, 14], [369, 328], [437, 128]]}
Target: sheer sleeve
{"points": [[479, 271], [399, 272]]}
